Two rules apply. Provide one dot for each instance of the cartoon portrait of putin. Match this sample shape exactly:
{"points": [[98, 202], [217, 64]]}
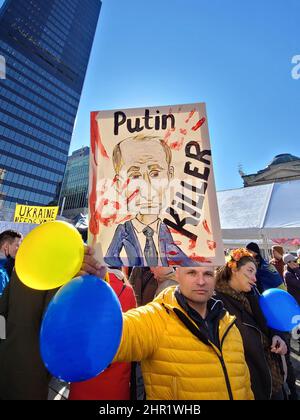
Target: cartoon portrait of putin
{"points": [[145, 162]]}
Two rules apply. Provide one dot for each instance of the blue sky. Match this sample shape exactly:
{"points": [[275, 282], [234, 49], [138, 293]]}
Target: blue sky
{"points": [[234, 55]]}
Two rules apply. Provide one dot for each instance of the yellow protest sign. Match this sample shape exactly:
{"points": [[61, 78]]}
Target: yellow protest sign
{"points": [[34, 214]]}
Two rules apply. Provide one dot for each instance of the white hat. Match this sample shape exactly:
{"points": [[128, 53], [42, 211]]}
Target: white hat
{"points": [[287, 258]]}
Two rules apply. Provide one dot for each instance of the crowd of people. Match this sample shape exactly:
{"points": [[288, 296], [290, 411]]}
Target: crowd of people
{"points": [[188, 333]]}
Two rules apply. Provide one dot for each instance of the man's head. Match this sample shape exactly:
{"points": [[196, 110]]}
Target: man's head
{"points": [[10, 240], [253, 248], [146, 162], [197, 284]]}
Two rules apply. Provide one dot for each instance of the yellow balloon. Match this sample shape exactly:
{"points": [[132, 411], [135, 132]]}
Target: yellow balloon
{"points": [[50, 255]]}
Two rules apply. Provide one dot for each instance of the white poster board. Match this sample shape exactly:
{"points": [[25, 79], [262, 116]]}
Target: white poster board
{"points": [[152, 198]]}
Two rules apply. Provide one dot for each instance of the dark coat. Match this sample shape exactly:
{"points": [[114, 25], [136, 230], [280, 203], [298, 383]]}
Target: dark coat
{"points": [[251, 331], [267, 276], [292, 279], [144, 285], [23, 375]]}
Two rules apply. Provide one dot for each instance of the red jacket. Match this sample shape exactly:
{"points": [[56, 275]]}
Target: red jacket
{"points": [[114, 382], [279, 265]]}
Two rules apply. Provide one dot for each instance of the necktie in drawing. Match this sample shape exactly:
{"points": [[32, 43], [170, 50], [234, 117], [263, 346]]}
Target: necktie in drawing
{"points": [[150, 251]]}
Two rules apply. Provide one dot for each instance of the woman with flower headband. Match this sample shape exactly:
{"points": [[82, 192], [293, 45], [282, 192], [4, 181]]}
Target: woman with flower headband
{"points": [[263, 348]]}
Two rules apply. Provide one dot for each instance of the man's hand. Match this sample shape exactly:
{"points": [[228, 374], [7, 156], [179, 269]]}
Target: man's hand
{"points": [[278, 345], [90, 265]]}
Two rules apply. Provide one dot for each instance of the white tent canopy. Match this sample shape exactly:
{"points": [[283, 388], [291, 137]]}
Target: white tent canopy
{"points": [[269, 211]]}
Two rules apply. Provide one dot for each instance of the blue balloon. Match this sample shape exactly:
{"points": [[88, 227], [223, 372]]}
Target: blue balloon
{"points": [[280, 309], [81, 330]]}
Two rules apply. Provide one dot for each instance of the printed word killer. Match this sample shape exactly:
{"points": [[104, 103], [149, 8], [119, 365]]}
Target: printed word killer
{"points": [[185, 203], [135, 125]]}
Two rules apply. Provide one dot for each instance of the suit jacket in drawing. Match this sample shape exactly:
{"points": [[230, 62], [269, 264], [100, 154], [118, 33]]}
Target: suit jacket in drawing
{"points": [[125, 236]]}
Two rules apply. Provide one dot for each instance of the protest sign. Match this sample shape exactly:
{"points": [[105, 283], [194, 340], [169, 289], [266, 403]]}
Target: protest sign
{"points": [[34, 214], [152, 198]]}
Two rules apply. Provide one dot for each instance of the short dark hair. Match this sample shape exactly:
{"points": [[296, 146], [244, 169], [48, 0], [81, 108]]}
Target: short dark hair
{"points": [[9, 236]]}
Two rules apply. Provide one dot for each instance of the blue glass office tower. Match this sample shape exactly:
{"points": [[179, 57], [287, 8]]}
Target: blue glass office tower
{"points": [[74, 192], [46, 47]]}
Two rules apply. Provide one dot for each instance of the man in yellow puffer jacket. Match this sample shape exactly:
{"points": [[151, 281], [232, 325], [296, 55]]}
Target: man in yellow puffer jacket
{"points": [[188, 344]]}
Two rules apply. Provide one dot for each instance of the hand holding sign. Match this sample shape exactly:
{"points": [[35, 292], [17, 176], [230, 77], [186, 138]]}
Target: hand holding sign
{"points": [[49, 256]]}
